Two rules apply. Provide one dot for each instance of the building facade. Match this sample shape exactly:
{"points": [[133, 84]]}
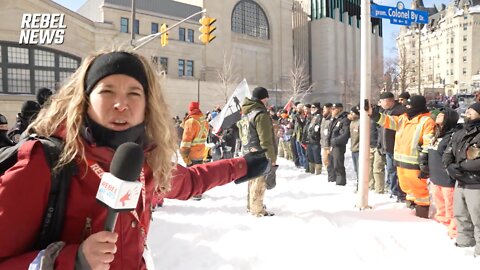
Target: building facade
{"points": [[260, 40], [443, 57], [335, 52]]}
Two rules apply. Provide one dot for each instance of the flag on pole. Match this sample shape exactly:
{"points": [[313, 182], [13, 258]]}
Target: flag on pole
{"points": [[230, 113], [289, 105]]}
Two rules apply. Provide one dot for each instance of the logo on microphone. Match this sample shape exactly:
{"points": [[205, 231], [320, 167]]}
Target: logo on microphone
{"points": [[125, 198]]}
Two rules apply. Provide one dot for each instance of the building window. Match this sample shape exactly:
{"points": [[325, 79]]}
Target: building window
{"points": [[25, 69], [451, 50], [190, 35], [464, 26], [464, 71], [154, 28], [249, 18], [164, 64], [18, 55], [45, 78], [189, 68], [465, 38], [181, 67], [136, 27], [154, 60], [464, 59], [464, 48], [44, 59], [18, 80], [451, 40], [124, 25], [67, 62], [451, 72], [181, 34]]}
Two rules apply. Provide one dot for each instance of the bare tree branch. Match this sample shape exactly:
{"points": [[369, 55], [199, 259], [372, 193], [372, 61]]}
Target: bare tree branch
{"points": [[227, 76], [299, 80]]}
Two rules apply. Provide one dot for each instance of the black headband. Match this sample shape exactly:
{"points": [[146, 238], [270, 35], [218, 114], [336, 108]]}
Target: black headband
{"points": [[115, 63]]}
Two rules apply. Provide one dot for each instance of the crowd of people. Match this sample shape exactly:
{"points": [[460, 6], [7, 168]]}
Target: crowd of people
{"points": [[115, 98]]}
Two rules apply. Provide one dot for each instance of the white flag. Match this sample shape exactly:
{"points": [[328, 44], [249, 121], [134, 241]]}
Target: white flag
{"points": [[230, 113]]}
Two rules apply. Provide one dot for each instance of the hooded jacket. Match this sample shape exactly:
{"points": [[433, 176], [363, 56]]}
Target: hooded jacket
{"points": [[262, 124], [437, 147], [23, 200], [410, 134], [195, 133], [461, 143]]}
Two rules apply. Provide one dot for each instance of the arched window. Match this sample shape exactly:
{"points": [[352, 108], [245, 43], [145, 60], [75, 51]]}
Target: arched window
{"points": [[24, 69], [250, 19]]}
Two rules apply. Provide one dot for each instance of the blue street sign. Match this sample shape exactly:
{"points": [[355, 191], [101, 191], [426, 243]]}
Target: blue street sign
{"points": [[399, 14]]}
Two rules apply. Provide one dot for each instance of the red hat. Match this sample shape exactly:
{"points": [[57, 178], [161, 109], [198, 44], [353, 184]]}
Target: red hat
{"points": [[193, 105]]}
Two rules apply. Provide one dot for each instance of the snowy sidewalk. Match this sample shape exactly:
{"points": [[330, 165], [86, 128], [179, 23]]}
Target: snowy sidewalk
{"points": [[316, 226]]}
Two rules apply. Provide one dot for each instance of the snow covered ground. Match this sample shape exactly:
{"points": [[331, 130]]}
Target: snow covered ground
{"points": [[316, 226]]}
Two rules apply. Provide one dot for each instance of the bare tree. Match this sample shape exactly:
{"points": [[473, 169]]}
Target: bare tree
{"points": [[405, 69], [300, 80], [227, 76]]}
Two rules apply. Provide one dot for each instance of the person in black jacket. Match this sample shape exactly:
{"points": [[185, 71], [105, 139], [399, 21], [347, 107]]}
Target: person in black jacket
{"points": [[443, 185], [387, 142], [4, 140], [462, 160], [338, 135], [312, 139], [27, 114]]}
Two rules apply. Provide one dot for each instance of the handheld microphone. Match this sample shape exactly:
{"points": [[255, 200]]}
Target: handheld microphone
{"points": [[119, 189]]}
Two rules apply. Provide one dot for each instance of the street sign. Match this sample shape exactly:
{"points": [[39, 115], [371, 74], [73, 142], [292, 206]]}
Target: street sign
{"points": [[399, 14]]}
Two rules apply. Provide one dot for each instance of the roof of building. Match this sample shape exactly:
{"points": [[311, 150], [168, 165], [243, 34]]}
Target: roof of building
{"points": [[166, 7]]}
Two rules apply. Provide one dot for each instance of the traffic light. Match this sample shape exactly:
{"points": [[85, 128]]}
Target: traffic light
{"points": [[206, 29], [164, 36]]}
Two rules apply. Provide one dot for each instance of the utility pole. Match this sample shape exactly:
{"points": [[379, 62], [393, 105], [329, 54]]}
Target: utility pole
{"points": [[133, 22], [365, 85]]}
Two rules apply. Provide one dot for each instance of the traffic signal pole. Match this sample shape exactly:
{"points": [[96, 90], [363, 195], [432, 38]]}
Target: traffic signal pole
{"points": [[147, 39]]}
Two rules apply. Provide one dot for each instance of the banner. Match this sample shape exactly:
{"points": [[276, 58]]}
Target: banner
{"points": [[230, 113]]}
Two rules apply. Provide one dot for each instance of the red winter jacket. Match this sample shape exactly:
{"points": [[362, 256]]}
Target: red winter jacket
{"points": [[24, 191]]}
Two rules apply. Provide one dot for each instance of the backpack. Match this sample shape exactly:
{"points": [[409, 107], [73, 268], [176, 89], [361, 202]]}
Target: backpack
{"points": [[52, 223]]}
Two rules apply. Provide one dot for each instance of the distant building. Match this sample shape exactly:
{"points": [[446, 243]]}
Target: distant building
{"points": [[448, 58]]}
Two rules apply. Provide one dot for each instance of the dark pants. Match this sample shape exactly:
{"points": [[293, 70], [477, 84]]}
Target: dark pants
{"points": [[355, 162], [296, 160], [338, 153], [314, 154], [302, 159], [332, 176], [392, 179]]}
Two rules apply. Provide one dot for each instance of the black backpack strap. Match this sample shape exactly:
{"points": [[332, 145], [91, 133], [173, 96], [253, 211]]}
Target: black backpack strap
{"points": [[52, 224]]}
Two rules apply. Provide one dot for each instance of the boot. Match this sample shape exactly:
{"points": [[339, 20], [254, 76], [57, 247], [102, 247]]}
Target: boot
{"points": [[410, 204], [422, 211], [311, 167], [318, 169]]}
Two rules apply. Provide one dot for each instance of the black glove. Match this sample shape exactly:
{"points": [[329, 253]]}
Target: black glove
{"points": [[423, 175], [271, 178], [375, 113], [453, 170], [257, 164], [423, 163]]}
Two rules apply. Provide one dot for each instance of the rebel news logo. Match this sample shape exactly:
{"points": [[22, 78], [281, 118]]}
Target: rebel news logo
{"points": [[42, 29]]}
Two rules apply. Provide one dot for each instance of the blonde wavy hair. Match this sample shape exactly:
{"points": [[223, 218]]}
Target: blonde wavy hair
{"points": [[68, 106]]}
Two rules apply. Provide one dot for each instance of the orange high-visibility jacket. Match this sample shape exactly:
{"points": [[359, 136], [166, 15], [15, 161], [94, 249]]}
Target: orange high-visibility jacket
{"points": [[410, 134], [195, 132]]}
